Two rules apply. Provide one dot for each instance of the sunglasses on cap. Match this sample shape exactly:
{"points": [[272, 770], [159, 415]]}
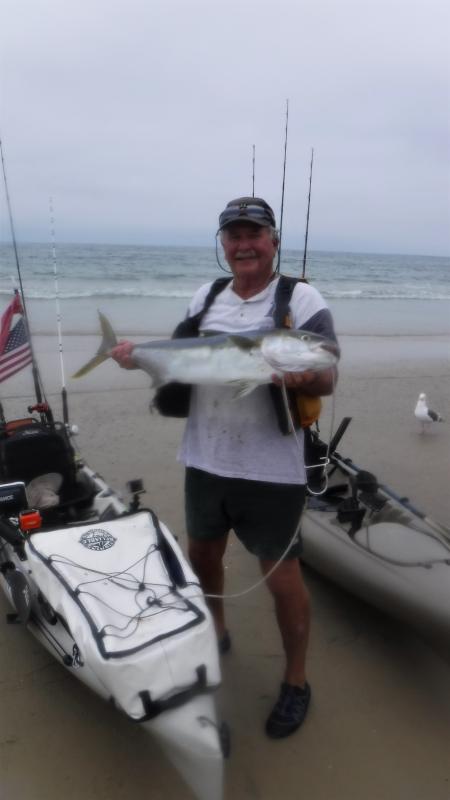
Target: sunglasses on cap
{"points": [[247, 212]]}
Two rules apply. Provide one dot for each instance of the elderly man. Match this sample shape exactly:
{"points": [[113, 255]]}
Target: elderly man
{"points": [[242, 473]]}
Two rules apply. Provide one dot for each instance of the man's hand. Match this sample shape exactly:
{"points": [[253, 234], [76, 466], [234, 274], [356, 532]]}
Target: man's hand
{"points": [[316, 384], [122, 354]]}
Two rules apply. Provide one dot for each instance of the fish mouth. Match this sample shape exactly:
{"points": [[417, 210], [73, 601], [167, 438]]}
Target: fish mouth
{"points": [[330, 347]]}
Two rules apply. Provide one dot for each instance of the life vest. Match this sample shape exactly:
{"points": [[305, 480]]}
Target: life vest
{"points": [[172, 400]]}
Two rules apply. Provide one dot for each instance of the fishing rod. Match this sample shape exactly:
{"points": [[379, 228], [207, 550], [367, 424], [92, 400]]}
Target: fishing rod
{"points": [[253, 172], [303, 278], [41, 406], [65, 406], [282, 187]]}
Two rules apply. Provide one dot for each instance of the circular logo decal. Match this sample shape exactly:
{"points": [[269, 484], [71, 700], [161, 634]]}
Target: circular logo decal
{"points": [[97, 539]]}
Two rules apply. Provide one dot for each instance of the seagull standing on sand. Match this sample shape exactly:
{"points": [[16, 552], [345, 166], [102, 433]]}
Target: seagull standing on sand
{"points": [[424, 414]]}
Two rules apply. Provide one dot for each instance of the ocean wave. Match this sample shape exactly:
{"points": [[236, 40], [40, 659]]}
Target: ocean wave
{"points": [[186, 292], [108, 294], [339, 294]]}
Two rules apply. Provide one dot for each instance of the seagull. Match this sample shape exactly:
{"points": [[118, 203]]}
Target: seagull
{"points": [[424, 414]]}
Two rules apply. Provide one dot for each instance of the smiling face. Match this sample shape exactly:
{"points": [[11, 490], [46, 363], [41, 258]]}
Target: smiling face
{"points": [[250, 250]]}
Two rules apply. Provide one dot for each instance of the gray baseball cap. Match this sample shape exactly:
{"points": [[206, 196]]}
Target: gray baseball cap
{"points": [[247, 209]]}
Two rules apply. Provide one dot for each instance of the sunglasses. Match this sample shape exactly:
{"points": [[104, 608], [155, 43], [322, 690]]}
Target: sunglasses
{"points": [[247, 211]]}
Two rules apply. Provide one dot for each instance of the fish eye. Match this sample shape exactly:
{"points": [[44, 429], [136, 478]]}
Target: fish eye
{"points": [[305, 337]]}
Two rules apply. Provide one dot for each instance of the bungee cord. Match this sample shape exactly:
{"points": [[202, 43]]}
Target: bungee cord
{"points": [[151, 605]]}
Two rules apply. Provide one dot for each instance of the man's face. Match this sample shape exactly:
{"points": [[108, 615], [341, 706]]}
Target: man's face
{"points": [[249, 249]]}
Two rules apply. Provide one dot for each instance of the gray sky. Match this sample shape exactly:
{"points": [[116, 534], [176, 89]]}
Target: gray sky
{"points": [[138, 118]]}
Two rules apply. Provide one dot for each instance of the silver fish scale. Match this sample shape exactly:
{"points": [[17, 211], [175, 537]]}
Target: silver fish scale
{"points": [[244, 358]]}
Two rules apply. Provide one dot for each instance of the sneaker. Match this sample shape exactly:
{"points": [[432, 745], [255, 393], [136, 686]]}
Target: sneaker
{"points": [[289, 711], [224, 643]]}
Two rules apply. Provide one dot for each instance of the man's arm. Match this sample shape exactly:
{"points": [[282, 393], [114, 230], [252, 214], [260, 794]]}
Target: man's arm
{"points": [[312, 383]]}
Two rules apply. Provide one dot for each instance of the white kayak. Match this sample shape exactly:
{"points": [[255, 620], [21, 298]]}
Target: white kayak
{"points": [[377, 545], [109, 593]]}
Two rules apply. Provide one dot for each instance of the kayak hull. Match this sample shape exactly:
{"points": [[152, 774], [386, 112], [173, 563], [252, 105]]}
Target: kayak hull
{"points": [[378, 547], [135, 630]]}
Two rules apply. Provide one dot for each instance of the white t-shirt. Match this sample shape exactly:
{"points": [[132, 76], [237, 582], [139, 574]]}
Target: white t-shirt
{"points": [[240, 437]]}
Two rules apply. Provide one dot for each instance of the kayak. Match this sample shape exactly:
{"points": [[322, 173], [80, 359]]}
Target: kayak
{"points": [[377, 545], [107, 591]]}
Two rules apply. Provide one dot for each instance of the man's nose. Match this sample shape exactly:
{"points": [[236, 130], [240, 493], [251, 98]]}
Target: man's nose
{"points": [[245, 242]]}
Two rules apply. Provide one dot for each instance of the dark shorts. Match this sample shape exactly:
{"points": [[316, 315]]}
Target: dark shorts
{"points": [[263, 515]]}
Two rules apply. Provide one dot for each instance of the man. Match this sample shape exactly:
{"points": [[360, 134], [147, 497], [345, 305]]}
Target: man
{"points": [[242, 473]]}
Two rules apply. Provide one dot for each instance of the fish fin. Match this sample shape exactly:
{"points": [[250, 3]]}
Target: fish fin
{"points": [[243, 342], [109, 340], [94, 362], [243, 388]]}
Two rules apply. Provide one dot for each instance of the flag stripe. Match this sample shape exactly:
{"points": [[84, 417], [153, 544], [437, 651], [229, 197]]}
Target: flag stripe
{"points": [[8, 372], [6, 363], [14, 353]]}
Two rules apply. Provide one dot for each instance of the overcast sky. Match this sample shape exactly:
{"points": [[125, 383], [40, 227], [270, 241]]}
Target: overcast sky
{"points": [[138, 118]]}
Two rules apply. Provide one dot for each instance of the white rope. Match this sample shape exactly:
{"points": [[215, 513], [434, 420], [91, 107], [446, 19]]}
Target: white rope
{"points": [[261, 580]]}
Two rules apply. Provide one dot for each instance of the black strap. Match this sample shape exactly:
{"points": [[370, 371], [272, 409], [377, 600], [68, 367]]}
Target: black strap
{"points": [[190, 326], [154, 707], [217, 287], [283, 294]]}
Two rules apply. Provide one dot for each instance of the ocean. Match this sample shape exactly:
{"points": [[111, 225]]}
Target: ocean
{"points": [[145, 290]]}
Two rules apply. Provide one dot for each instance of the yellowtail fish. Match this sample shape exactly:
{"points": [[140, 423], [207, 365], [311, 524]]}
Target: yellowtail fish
{"points": [[245, 360]]}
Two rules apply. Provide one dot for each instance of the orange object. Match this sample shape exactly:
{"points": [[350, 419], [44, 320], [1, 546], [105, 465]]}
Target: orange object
{"points": [[15, 424], [30, 521]]}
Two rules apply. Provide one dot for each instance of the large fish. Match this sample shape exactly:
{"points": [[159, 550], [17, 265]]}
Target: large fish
{"points": [[245, 360]]}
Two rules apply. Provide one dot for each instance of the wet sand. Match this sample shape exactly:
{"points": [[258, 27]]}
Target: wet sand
{"points": [[379, 722]]}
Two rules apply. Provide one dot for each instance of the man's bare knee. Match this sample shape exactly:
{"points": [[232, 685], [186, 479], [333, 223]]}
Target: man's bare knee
{"points": [[286, 579]]}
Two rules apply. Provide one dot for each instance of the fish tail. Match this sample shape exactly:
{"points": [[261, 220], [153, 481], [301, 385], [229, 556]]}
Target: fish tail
{"points": [[109, 340]]}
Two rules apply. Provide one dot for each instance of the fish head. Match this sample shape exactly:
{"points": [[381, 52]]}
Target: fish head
{"points": [[298, 351]]}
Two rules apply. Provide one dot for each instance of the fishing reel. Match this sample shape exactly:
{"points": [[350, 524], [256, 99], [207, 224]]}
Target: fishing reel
{"points": [[44, 411]]}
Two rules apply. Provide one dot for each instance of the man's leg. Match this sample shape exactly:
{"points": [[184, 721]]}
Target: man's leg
{"points": [[293, 614], [292, 608], [206, 558]]}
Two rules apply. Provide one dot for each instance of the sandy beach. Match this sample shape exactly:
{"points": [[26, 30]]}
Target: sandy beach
{"points": [[379, 723]]}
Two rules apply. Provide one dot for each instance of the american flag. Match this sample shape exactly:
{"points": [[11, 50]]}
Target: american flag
{"points": [[15, 351]]}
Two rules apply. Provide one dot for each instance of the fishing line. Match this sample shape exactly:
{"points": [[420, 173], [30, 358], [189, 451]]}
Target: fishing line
{"points": [[305, 250], [224, 269], [297, 530], [38, 385], [58, 317], [282, 186], [326, 457], [253, 172]]}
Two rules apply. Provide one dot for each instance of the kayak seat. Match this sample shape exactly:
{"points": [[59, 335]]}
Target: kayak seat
{"points": [[73, 499], [37, 449], [79, 493]]}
